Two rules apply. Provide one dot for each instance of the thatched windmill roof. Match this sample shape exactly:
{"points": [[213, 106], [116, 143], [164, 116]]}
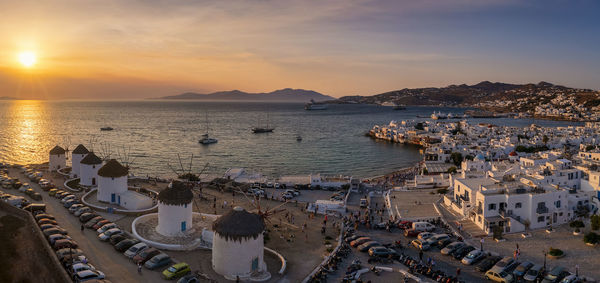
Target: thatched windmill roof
{"points": [[239, 224], [57, 150], [80, 149], [113, 169], [91, 159], [177, 194]]}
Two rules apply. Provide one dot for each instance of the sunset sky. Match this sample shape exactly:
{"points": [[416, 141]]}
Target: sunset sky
{"points": [[137, 49]]}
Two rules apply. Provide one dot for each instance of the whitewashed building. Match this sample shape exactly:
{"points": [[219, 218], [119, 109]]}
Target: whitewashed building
{"points": [[76, 156], [58, 158], [175, 209], [88, 170], [238, 245]]}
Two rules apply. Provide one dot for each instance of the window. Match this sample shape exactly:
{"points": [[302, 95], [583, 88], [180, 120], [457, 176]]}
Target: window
{"points": [[492, 206], [185, 205], [540, 219], [557, 203], [518, 205]]}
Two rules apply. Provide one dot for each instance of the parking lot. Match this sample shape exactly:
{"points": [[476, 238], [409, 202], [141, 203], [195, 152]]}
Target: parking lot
{"points": [[117, 268]]}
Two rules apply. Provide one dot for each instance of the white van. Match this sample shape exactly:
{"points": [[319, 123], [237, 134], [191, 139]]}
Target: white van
{"points": [[423, 226]]}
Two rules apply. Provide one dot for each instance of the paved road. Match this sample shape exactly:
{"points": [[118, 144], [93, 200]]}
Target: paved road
{"points": [[116, 266]]}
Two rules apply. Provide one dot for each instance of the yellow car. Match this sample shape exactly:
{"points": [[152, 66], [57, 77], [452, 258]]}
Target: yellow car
{"points": [[52, 192], [502, 277], [176, 270]]}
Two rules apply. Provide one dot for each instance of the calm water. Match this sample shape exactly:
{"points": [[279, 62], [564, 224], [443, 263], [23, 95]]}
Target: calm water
{"points": [[156, 131]]}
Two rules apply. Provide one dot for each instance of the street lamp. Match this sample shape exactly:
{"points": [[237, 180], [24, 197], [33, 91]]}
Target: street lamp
{"points": [[545, 253]]}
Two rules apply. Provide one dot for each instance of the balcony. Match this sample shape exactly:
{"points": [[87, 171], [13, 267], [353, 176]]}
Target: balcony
{"points": [[541, 210], [479, 210]]}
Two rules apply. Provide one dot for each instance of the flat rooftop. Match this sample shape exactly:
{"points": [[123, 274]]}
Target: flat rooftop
{"points": [[414, 204]]}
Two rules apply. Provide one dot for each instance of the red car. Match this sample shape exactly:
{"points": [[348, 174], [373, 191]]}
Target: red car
{"points": [[101, 223], [411, 233], [405, 224], [360, 241]]}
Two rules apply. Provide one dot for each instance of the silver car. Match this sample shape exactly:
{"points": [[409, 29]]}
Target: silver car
{"points": [[135, 249], [473, 257], [452, 247], [106, 235]]}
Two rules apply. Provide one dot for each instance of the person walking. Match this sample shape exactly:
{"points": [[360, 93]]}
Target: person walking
{"points": [[82, 228], [421, 255], [457, 272], [139, 266]]}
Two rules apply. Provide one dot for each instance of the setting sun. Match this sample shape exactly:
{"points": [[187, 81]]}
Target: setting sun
{"points": [[27, 58]]}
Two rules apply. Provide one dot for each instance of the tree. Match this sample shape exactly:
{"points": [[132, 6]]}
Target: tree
{"points": [[456, 158], [595, 222], [545, 139], [451, 170], [497, 231], [419, 126]]}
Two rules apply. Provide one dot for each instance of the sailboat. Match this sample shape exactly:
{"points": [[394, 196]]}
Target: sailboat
{"points": [[206, 140], [259, 130]]}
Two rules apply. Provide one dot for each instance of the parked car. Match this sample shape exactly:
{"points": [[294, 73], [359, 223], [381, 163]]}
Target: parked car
{"points": [[405, 224], [36, 196], [423, 226], [71, 202], [135, 249], [124, 245], [75, 207], [52, 192], [425, 235], [158, 261], [502, 264], [45, 227], [74, 268], [411, 233], [176, 271], [555, 275], [433, 240], [106, 235], [115, 239], [82, 211], [419, 244], [106, 227], [487, 263], [366, 246], [534, 273], [68, 198], [87, 216], [47, 221], [64, 252], [145, 255], [190, 278], [502, 276], [359, 241], [383, 252], [573, 278], [90, 223], [521, 270], [55, 237], [64, 244], [352, 238], [473, 257], [462, 252], [452, 247], [443, 243], [35, 207], [44, 215], [87, 275], [100, 224]]}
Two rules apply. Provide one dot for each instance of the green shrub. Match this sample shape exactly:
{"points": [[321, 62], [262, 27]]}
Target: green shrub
{"points": [[595, 222], [576, 224], [327, 237], [330, 249], [555, 252], [442, 191], [591, 238], [327, 242]]}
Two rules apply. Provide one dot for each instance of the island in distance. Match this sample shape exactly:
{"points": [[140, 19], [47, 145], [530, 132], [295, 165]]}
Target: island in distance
{"points": [[283, 95]]}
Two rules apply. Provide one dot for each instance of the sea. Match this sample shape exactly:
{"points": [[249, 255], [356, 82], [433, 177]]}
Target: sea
{"points": [[160, 138]]}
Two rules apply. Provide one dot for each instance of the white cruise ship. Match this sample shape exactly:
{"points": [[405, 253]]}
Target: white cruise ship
{"points": [[312, 105]]}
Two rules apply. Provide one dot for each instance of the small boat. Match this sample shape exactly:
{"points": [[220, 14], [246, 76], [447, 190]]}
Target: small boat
{"points": [[312, 105], [298, 138], [205, 138], [399, 107], [106, 129]]}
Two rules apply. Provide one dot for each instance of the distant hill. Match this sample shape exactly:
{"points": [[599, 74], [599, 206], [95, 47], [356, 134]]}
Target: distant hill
{"points": [[7, 98], [286, 94], [475, 95]]}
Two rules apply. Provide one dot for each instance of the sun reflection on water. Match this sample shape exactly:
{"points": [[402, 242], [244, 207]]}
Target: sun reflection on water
{"points": [[26, 131]]}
